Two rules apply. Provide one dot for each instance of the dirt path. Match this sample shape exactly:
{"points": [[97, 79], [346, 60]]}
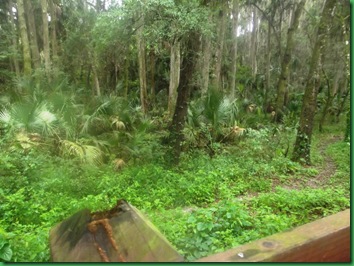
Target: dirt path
{"points": [[326, 169]]}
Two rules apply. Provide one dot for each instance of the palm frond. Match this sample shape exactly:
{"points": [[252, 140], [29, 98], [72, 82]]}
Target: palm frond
{"points": [[85, 153], [93, 155], [23, 115], [117, 123], [194, 115], [5, 117], [45, 121], [89, 119]]}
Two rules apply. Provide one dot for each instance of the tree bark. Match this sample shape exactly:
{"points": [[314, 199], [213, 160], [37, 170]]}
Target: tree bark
{"points": [[267, 57], [205, 64], [13, 40], [53, 30], [344, 96], [175, 65], [142, 71], [33, 35], [142, 61], [304, 133], [152, 76], [220, 45], [331, 94], [184, 89], [253, 50], [235, 11], [126, 76], [27, 68], [96, 80], [46, 49], [282, 82]]}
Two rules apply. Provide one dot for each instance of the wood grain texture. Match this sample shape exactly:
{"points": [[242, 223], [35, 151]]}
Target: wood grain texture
{"points": [[122, 234], [324, 240]]}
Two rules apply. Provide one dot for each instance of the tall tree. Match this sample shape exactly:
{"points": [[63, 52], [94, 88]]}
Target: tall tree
{"points": [[13, 39], [190, 57], [222, 19], [270, 26], [46, 47], [175, 65], [142, 64], [53, 29], [253, 44], [206, 46], [235, 11], [27, 68], [332, 90], [32, 32], [304, 133], [206, 58], [152, 59], [282, 81]]}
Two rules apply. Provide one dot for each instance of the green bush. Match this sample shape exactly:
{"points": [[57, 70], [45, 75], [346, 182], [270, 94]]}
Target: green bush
{"points": [[204, 205], [304, 205], [213, 229]]}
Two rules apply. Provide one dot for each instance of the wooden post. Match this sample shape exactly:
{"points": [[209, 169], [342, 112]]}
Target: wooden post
{"points": [[121, 234]]}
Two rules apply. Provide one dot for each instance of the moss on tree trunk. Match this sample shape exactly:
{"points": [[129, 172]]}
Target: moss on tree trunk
{"points": [[303, 139], [184, 88]]}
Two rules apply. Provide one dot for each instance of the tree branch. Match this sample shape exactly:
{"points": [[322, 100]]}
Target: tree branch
{"points": [[269, 21]]}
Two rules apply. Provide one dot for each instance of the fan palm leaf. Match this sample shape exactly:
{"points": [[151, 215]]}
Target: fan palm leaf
{"points": [[85, 153], [45, 121]]}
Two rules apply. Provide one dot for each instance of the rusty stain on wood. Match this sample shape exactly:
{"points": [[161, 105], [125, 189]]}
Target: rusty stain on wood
{"points": [[117, 235], [324, 240]]}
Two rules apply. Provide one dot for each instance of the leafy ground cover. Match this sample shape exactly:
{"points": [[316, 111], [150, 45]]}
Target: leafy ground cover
{"points": [[205, 205]]}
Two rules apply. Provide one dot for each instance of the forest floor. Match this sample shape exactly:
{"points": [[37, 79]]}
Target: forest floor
{"points": [[207, 205], [326, 168]]}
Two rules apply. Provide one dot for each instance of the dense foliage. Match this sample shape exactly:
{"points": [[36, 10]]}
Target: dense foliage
{"points": [[189, 110], [246, 191]]}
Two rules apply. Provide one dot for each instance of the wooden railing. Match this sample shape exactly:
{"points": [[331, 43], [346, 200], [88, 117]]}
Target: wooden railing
{"points": [[324, 240]]}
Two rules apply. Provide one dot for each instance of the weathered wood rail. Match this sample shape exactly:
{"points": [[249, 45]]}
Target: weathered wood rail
{"points": [[324, 240]]}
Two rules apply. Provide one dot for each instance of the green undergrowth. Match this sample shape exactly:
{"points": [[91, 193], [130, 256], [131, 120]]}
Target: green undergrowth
{"points": [[205, 205], [198, 232]]}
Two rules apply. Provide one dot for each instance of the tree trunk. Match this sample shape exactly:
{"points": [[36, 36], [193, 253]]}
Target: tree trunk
{"points": [[184, 89], [175, 65], [267, 58], [96, 80], [27, 68], [220, 45], [46, 49], [142, 71], [331, 94], [344, 98], [33, 35], [280, 48], [126, 76], [206, 64], [142, 62], [235, 11], [282, 82], [152, 76], [13, 40], [304, 133], [253, 50], [53, 30]]}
